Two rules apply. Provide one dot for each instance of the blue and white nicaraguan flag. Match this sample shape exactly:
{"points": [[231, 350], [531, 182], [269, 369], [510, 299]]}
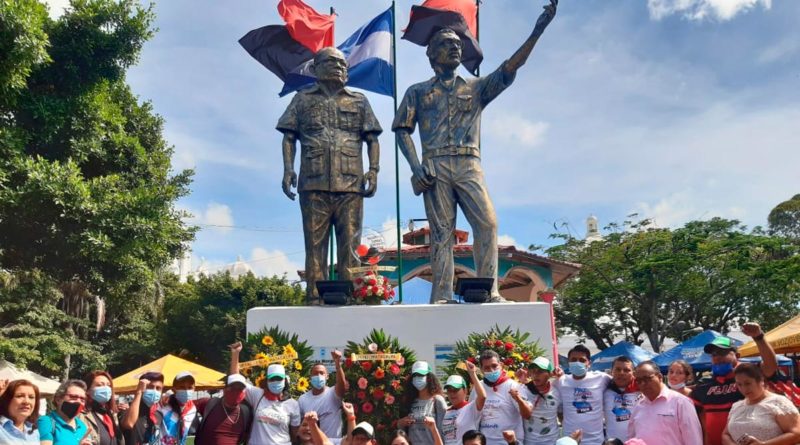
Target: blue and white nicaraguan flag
{"points": [[369, 59]]}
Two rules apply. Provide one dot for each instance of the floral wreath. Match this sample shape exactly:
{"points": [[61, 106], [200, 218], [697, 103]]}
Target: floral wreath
{"points": [[376, 386], [372, 288], [272, 345], [513, 347]]}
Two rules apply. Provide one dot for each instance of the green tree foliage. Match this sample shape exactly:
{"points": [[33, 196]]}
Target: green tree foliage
{"points": [[646, 283], [86, 188], [784, 219], [203, 316]]}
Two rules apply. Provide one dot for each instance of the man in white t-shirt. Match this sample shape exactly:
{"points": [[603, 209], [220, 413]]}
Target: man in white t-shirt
{"points": [[619, 398], [325, 401], [505, 404], [542, 426], [462, 415], [582, 397]]}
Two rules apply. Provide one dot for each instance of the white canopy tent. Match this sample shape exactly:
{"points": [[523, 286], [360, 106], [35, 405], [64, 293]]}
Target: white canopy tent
{"points": [[11, 372]]}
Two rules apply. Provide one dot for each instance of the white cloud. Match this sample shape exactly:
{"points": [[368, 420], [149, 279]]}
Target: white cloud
{"points": [[687, 205], [782, 50], [389, 231], [703, 9], [506, 240], [56, 7], [218, 216], [273, 262], [516, 129]]}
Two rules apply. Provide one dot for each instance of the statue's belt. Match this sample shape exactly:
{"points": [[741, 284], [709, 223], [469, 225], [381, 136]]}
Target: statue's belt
{"points": [[450, 151]]}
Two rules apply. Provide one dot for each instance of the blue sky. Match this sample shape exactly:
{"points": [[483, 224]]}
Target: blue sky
{"points": [[673, 109]]}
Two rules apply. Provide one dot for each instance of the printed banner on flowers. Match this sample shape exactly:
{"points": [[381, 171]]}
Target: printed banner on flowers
{"points": [[362, 269], [268, 361], [376, 357]]}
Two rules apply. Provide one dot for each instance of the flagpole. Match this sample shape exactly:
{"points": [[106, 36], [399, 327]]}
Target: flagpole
{"points": [[332, 235], [478, 27], [397, 160]]}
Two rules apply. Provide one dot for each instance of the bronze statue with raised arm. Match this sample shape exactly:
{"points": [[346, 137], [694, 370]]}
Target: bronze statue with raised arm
{"points": [[332, 124], [448, 109]]}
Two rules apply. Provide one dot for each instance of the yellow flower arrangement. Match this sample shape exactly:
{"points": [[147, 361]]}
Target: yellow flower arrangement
{"points": [[297, 365], [261, 356], [267, 340], [302, 384], [289, 349]]}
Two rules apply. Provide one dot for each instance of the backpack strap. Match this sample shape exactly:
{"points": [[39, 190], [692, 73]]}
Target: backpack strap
{"points": [[249, 415]]}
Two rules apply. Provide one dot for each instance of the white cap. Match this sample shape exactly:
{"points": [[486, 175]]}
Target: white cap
{"points": [[366, 428], [455, 381], [276, 370], [421, 368], [543, 363], [182, 375], [235, 378], [566, 441]]}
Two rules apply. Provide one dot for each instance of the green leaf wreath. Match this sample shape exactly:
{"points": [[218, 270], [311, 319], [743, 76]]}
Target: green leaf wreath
{"points": [[271, 342], [376, 387]]}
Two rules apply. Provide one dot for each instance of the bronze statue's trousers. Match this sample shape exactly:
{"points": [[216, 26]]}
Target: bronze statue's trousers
{"points": [[459, 181], [320, 210]]}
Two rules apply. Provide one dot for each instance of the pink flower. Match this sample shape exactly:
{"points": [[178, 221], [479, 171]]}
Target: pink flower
{"points": [[401, 361], [389, 399], [362, 383], [394, 369], [372, 347], [366, 407]]}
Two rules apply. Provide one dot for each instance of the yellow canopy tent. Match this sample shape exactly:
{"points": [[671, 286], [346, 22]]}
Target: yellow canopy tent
{"points": [[169, 365], [784, 339]]}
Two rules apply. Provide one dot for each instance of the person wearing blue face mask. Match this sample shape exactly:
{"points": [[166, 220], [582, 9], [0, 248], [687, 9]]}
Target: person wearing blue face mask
{"points": [[137, 424], [277, 416], [176, 419], [506, 403], [422, 398], [716, 395], [325, 401], [581, 394], [100, 413]]}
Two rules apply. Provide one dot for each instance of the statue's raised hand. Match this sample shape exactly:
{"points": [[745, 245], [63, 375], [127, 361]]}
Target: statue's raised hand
{"points": [[545, 18]]}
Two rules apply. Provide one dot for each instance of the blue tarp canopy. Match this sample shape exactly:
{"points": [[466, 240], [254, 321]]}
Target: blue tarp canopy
{"points": [[603, 359], [692, 351]]}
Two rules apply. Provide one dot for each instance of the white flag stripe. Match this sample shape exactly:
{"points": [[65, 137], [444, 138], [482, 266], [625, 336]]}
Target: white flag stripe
{"points": [[377, 45]]}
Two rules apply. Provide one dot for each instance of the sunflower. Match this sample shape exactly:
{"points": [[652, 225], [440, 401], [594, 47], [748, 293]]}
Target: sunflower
{"points": [[302, 384], [288, 349], [267, 340], [297, 365], [261, 356], [259, 379]]}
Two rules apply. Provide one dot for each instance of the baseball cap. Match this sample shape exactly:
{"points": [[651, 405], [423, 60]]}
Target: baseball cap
{"points": [[455, 381], [183, 375], [566, 441], [235, 378], [366, 428], [421, 368], [543, 363], [276, 370], [721, 343]]}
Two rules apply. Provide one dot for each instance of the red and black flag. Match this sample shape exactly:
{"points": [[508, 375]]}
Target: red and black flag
{"points": [[282, 48], [458, 15]]}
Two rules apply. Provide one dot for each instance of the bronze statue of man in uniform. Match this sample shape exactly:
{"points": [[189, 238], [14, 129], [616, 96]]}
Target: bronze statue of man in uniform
{"points": [[448, 110], [332, 124]]}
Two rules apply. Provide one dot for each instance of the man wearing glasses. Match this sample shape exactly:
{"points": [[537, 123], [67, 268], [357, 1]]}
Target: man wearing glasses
{"points": [[664, 416]]}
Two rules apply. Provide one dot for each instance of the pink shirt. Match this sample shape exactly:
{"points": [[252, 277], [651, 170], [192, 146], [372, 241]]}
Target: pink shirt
{"points": [[668, 420]]}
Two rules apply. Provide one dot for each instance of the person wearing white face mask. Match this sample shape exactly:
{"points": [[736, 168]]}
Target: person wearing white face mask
{"points": [[277, 416], [581, 394], [325, 401], [422, 398]]}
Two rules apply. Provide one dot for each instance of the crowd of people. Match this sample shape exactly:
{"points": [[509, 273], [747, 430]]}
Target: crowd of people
{"points": [[634, 405]]}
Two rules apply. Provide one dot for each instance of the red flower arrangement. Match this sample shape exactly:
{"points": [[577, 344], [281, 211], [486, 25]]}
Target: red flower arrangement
{"points": [[372, 288], [513, 347], [375, 387]]}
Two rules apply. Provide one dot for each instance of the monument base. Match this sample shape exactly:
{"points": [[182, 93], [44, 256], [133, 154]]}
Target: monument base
{"points": [[430, 330]]}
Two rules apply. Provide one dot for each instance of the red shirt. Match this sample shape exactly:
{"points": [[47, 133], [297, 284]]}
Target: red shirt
{"points": [[715, 397], [220, 428]]}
